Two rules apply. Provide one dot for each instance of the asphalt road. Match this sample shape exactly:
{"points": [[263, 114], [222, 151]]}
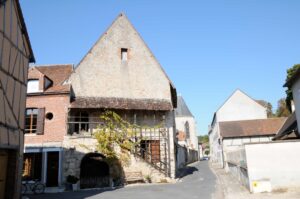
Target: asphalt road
{"points": [[198, 182]]}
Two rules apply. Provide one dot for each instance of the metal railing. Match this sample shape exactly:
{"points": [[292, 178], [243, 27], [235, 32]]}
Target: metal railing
{"points": [[152, 144]]}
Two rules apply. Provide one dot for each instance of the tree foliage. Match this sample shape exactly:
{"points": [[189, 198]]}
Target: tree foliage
{"points": [[203, 138], [115, 133], [289, 95], [282, 109], [268, 106]]}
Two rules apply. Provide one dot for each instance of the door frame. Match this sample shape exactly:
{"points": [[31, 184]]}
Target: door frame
{"points": [[44, 151]]}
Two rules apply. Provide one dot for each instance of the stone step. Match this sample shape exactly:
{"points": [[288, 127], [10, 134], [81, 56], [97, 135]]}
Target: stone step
{"points": [[133, 177]]}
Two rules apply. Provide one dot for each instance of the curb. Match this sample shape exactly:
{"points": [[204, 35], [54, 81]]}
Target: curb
{"points": [[220, 184]]}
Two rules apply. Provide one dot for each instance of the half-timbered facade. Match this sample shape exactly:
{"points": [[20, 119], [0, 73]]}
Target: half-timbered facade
{"points": [[15, 54]]}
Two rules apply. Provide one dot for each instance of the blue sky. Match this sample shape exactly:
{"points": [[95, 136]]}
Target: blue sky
{"points": [[208, 48]]}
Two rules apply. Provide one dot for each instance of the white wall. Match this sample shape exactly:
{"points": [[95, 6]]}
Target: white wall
{"points": [[296, 96], [241, 107], [279, 162], [192, 142], [233, 144], [238, 106], [216, 156]]}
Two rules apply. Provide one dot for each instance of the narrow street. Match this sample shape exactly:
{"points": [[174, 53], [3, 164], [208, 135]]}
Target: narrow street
{"points": [[198, 182]]}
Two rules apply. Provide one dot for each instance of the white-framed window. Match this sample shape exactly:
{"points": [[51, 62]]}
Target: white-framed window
{"points": [[33, 86]]}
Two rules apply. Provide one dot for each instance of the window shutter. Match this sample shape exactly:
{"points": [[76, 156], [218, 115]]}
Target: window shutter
{"points": [[40, 121]]}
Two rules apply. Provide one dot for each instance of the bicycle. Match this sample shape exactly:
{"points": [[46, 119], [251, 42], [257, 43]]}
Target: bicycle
{"points": [[33, 185]]}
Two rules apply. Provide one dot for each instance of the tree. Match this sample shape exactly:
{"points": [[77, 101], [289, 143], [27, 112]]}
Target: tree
{"points": [[268, 106], [289, 95], [282, 109], [203, 139]]}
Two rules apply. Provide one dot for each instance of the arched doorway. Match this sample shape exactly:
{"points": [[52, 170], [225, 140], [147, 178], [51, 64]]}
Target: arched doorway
{"points": [[94, 171]]}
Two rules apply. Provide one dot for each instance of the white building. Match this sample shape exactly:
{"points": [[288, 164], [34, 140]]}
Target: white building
{"points": [[185, 122], [186, 129], [239, 106]]}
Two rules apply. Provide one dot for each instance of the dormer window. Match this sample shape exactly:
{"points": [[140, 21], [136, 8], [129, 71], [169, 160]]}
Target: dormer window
{"points": [[33, 86], [124, 54]]}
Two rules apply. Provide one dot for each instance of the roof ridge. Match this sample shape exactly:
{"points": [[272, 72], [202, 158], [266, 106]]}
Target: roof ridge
{"points": [[50, 65], [276, 118], [122, 14]]}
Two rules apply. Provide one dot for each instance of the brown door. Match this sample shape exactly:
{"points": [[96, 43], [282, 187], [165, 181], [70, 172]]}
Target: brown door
{"points": [[155, 150], [3, 167], [52, 169]]}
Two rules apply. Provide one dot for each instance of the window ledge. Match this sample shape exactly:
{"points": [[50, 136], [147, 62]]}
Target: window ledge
{"points": [[30, 134]]}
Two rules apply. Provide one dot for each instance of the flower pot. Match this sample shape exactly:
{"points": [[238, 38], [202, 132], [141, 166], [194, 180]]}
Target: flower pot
{"points": [[75, 187], [68, 187]]}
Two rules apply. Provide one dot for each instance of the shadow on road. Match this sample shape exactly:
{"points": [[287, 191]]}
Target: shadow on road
{"points": [[188, 170], [74, 195]]}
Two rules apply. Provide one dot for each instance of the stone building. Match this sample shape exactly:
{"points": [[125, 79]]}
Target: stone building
{"points": [[15, 54], [120, 73], [48, 100]]}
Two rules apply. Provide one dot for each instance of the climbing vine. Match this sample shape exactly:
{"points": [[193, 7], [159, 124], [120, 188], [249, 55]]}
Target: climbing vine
{"points": [[114, 136]]}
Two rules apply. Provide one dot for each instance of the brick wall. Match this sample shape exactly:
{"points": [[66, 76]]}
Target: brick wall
{"points": [[55, 129]]}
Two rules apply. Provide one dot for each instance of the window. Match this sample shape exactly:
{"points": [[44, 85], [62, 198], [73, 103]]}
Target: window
{"points": [[31, 120], [49, 116], [82, 122], [32, 166], [187, 130], [33, 86], [124, 54]]}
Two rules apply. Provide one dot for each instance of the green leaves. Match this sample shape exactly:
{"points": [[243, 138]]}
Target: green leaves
{"points": [[115, 132], [289, 95]]}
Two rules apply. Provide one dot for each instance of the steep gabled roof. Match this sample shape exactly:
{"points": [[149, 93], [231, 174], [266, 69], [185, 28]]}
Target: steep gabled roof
{"points": [[101, 75], [237, 90], [182, 109], [101, 37], [248, 128]]}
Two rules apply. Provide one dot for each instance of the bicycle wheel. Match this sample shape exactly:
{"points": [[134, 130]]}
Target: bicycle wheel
{"points": [[23, 188], [39, 188]]}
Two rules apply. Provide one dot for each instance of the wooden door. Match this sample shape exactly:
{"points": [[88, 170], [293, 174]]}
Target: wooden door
{"points": [[155, 151], [52, 169], [3, 168]]}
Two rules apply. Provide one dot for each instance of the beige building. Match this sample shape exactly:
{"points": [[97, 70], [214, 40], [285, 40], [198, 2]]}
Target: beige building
{"points": [[120, 73], [15, 54]]}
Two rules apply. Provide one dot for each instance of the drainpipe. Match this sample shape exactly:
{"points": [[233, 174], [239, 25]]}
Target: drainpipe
{"points": [[223, 159]]}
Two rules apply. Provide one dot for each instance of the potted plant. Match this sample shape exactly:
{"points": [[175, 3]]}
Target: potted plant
{"points": [[72, 180], [148, 179]]}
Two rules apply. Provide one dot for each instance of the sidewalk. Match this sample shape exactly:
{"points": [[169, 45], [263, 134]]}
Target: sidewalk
{"points": [[232, 189]]}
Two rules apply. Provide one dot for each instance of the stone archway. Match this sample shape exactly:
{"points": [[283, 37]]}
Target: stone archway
{"points": [[94, 171]]}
